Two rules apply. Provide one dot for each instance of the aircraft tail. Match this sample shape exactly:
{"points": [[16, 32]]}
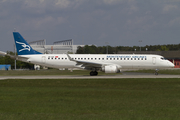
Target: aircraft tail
{"points": [[23, 48]]}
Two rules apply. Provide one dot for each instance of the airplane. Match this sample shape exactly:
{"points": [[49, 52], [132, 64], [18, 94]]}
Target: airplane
{"points": [[108, 63]]}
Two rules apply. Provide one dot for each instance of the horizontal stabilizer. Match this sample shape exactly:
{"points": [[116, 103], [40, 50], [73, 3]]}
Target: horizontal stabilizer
{"points": [[2, 53], [13, 56]]}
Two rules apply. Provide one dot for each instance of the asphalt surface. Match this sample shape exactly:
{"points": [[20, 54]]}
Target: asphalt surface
{"points": [[124, 75]]}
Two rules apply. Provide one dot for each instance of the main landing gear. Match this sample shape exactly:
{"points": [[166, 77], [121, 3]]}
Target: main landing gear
{"points": [[156, 72], [93, 73]]}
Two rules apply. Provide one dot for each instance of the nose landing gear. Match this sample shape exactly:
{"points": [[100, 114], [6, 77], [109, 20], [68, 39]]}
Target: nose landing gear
{"points": [[156, 72]]}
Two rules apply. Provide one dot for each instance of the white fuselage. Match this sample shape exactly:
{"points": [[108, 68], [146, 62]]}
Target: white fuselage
{"points": [[125, 61]]}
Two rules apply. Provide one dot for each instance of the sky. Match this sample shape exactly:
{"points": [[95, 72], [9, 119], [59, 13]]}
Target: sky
{"points": [[98, 22]]}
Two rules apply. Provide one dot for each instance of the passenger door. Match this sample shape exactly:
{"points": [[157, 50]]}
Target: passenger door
{"points": [[43, 59], [154, 60]]}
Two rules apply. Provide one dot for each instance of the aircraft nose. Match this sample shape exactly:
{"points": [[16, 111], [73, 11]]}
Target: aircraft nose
{"points": [[171, 64]]}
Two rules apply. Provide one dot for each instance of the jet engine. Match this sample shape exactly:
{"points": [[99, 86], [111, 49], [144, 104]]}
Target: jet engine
{"points": [[111, 69]]}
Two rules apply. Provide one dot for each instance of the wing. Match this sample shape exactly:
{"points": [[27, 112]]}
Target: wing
{"points": [[91, 64], [85, 63]]}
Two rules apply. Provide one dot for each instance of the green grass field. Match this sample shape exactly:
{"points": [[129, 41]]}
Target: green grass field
{"points": [[90, 99]]}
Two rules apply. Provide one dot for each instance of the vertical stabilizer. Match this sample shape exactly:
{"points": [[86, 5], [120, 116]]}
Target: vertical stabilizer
{"points": [[23, 48]]}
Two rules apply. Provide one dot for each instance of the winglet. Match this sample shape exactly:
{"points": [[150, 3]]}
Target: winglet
{"points": [[69, 57]]}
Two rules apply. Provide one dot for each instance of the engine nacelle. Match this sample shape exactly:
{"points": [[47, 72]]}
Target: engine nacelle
{"points": [[111, 69]]}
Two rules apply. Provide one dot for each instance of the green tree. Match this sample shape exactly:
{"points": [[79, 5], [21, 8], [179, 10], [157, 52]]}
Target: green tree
{"points": [[163, 48], [80, 50], [19, 64], [112, 50]]}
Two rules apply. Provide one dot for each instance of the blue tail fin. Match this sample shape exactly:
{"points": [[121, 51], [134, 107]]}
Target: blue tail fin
{"points": [[23, 48]]}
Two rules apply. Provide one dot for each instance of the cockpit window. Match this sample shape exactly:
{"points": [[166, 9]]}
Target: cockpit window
{"points": [[163, 58]]}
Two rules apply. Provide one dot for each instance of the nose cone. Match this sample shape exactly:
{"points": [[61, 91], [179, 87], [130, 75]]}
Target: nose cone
{"points": [[171, 65]]}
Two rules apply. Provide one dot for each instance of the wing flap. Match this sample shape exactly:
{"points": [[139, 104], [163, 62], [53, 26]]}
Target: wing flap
{"points": [[89, 64]]}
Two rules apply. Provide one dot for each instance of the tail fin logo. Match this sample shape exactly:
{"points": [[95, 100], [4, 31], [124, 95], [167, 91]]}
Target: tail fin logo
{"points": [[25, 47]]}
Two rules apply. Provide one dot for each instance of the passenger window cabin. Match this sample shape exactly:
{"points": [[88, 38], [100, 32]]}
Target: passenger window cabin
{"points": [[52, 57]]}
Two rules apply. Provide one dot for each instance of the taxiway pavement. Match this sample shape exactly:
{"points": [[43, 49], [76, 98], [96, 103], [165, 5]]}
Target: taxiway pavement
{"points": [[91, 77]]}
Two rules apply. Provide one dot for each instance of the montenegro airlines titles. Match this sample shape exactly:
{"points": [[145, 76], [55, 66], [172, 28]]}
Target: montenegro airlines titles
{"points": [[109, 63]]}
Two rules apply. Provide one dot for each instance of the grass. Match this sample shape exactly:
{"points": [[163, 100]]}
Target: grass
{"points": [[86, 99], [168, 72], [47, 72]]}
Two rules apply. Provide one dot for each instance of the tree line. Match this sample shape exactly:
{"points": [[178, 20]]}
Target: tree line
{"points": [[19, 64], [114, 50]]}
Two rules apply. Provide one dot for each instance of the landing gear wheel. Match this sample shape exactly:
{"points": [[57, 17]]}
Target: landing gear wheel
{"points": [[93, 73], [156, 73]]}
